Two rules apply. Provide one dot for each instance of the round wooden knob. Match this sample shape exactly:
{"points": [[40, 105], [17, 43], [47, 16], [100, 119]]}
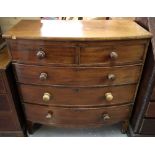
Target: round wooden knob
{"points": [[41, 54], [49, 115], [113, 55], [43, 76], [46, 97], [111, 76], [109, 96], [106, 117]]}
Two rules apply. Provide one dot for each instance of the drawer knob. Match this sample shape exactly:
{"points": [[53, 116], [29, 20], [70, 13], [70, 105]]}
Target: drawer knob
{"points": [[106, 117], [41, 54], [111, 76], [113, 55], [49, 115], [43, 76], [46, 97], [109, 96]]}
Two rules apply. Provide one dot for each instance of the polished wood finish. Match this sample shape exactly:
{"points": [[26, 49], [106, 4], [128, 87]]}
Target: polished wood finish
{"points": [[78, 76], [11, 119], [77, 73], [77, 30], [64, 96], [76, 117]]}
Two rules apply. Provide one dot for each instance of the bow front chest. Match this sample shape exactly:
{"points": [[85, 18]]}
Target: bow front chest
{"points": [[77, 73]]}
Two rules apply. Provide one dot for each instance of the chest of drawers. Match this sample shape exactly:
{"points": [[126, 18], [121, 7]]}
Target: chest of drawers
{"points": [[77, 73], [11, 118]]}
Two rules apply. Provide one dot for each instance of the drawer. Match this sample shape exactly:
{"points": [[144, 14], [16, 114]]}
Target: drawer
{"points": [[148, 126], [76, 117], [42, 52], [113, 55], [7, 122], [83, 76], [2, 88], [151, 110], [64, 96], [4, 103]]}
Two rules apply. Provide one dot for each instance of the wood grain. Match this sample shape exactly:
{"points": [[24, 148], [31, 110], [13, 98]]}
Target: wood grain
{"points": [[76, 117], [77, 76], [150, 110], [63, 96], [77, 30]]}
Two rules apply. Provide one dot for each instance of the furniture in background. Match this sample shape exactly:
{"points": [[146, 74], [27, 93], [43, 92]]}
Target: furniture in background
{"points": [[77, 73], [11, 117], [143, 117]]}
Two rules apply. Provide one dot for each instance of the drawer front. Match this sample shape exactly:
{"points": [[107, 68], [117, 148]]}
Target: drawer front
{"points": [[151, 110], [148, 126], [83, 76], [76, 117], [2, 88], [42, 52], [7, 122], [4, 103], [117, 54], [58, 96]]}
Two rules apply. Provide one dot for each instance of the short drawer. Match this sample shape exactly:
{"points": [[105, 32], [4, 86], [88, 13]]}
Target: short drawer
{"points": [[4, 103], [63, 96], [42, 52], [151, 110], [148, 126], [114, 54], [2, 88], [76, 117], [83, 76]]}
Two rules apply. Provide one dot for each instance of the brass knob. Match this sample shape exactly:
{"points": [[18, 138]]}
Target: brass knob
{"points": [[109, 96], [106, 117], [113, 55], [46, 97], [43, 76], [111, 76], [49, 115], [41, 54]]}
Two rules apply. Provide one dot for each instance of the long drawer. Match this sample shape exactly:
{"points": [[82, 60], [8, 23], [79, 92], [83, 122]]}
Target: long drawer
{"points": [[80, 76], [76, 117], [64, 96], [105, 53]]}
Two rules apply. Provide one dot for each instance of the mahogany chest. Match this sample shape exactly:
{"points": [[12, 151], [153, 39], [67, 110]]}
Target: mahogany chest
{"points": [[77, 73]]}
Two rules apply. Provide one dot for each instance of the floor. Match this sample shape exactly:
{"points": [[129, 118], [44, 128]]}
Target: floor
{"points": [[106, 131]]}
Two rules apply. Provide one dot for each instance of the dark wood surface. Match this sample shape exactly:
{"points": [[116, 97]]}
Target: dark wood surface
{"points": [[77, 76], [150, 110], [64, 96], [11, 123], [76, 117]]}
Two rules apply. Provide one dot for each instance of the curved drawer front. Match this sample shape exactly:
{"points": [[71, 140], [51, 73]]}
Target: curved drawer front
{"points": [[58, 96], [76, 117], [78, 76], [117, 54], [28, 52]]}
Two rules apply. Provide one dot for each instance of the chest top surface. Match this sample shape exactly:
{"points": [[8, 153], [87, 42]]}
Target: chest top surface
{"points": [[77, 30]]}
